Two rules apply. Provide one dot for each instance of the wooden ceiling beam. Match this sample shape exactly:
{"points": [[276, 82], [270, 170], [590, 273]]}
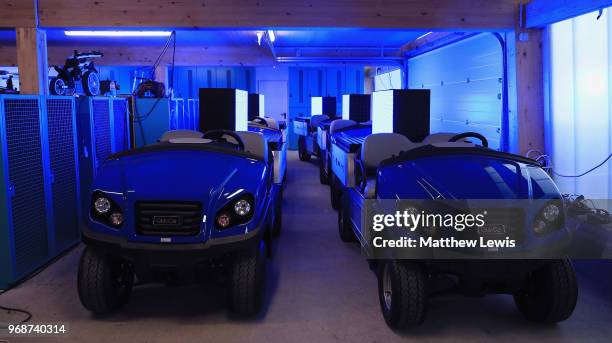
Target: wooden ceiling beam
{"points": [[17, 13], [540, 13], [457, 15]]}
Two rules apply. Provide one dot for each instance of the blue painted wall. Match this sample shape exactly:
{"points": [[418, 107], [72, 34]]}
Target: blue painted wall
{"points": [[466, 82], [187, 80]]}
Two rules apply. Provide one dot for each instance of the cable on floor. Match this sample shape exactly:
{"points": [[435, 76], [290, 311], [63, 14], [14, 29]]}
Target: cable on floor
{"points": [[9, 310]]}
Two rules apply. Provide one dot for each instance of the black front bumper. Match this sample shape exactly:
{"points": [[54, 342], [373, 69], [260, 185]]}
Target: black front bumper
{"points": [[158, 260]]}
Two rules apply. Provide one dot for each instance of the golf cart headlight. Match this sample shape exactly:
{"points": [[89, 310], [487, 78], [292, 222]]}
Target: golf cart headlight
{"points": [[242, 207], [224, 220], [116, 218], [539, 227], [549, 219], [102, 205], [551, 212]]}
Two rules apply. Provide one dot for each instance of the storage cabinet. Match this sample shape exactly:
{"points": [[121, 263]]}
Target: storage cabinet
{"points": [[38, 183]]}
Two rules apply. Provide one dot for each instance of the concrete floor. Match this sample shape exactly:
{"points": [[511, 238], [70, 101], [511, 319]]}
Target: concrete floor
{"points": [[319, 290]]}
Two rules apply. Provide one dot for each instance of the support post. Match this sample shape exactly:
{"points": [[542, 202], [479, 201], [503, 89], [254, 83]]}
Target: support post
{"points": [[529, 90], [32, 60]]}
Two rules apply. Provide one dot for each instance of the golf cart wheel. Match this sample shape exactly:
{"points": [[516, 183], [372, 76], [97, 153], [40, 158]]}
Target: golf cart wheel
{"points": [[247, 273], [302, 153], [91, 83], [104, 283], [551, 293], [278, 217], [334, 193], [401, 292], [57, 86], [344, 226], [322, 177]]}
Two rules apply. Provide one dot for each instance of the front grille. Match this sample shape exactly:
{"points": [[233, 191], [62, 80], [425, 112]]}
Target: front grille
{"points": [[511, 219], [168, 218]]}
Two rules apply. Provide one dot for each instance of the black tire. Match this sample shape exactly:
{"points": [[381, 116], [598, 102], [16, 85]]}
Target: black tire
{"points": [[334, 193], [551, 293], [278, 218], [402, 294], [247, 272], [104, 283], [91, 83], [57, 86], [302, 153], [345, 229], [323, 179]]}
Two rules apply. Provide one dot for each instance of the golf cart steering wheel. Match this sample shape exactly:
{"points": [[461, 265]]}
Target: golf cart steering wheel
{"points": [[220, 135], [477, 135], [260, 121]]}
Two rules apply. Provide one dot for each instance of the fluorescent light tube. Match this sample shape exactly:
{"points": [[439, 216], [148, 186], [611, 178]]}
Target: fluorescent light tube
{"points": [[118, 33]]}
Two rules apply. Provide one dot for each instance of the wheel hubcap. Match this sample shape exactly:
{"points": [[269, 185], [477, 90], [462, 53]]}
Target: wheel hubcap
{"points": [[387, 289], [59, 86], [93, 83]]}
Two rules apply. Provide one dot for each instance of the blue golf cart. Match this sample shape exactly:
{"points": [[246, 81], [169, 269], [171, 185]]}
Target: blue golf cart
{"points": [[386, 167], [169, 211], [306, 128]]}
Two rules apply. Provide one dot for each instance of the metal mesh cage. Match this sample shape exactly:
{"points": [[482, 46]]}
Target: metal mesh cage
{"points": [[102, 129], [63, 167], [119, 124], [26, 176]]}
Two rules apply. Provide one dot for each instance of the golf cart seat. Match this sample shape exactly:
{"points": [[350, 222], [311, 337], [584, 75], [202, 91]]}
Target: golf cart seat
{"points": [[316, 119], [254, 143], [271, 122], [377, 148], [441, 137], [340, 124], [176, 134]]}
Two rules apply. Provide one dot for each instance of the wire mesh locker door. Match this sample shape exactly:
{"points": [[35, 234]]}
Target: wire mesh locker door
{"points": [[102, 130], [120, 128], [27, 189], [61, 133]]}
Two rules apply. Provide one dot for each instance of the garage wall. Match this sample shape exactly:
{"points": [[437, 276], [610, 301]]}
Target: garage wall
{"points": [[187, 80], [579, 54], [466, 82]]}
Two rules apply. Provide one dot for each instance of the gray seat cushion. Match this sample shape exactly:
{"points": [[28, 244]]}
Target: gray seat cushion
{"points": [[174, 134], [271, 122], [381, 146], [254, 143], [316, 119], [340, 124]]}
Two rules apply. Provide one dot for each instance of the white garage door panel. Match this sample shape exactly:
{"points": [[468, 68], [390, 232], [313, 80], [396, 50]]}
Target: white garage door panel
{"points": [[466, 86]]}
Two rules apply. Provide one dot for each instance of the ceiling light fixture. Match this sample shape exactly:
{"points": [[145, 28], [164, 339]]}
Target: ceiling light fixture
{"points": [[271, 36], [118, 33], [259, 36], [423, 36]]}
